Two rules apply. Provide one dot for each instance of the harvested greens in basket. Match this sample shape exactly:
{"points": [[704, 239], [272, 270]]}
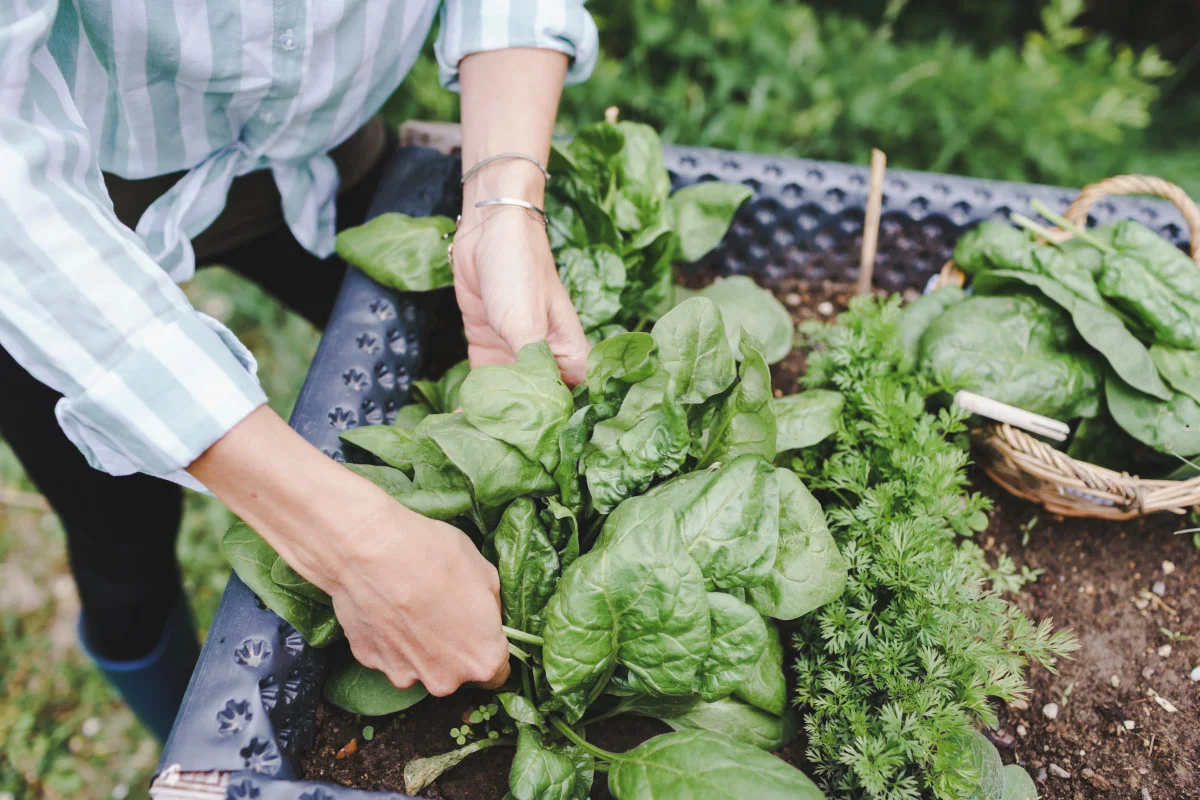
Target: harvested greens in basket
{"points": [[1102, 331]]}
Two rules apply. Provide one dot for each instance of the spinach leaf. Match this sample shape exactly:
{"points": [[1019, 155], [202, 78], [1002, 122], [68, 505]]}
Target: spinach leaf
{"points": [[655, 446], [636, 599], [520, 709], [805, 419], [402, 252], [694, 350], [1180, 368], [525, 404], [572, 442], [1163, 260], [915, 318], [548, 772], [442, 396], [702, 212], [975, 762], [352, 687], [765, 687], [744, 422], [1097, 325], [739, 721], [1017, 784], [287, 578], [450, 455], [527, 563], [1016, 349], [594, 278], [443, 503], [1102, 442], [809, 571], [743, 304], [739, 635], [252, 558], [728, 519], [390, 444], [626, 358], [704, 764], [1132, 284], [991, 245], [1170, 427]]}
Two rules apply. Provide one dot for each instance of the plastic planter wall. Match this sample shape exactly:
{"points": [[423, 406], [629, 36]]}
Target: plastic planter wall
{"points": [[250, 707]]}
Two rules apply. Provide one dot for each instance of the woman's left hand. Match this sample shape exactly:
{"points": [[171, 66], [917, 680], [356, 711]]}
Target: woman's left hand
{"points": [[509, 291]]}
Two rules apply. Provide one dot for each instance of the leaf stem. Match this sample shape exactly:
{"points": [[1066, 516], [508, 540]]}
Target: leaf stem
{"points": [[583, 744], [522, 636], [1067, 225], [589, 537], [641, 326], [521, 655], [1022, 221]]}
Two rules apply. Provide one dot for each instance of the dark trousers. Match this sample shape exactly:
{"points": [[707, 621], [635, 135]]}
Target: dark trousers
{"points": [[121, 531]]}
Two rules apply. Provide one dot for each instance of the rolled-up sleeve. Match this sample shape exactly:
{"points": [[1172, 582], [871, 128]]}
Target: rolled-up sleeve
{"points": [[476, 26], [148, 382]]}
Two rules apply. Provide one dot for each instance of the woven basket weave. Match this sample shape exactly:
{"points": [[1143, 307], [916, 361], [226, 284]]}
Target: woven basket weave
{"points": [[1028, 467]]}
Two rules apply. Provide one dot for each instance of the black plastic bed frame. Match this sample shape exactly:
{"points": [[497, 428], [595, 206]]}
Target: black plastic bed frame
{"points": [[250, 706]]}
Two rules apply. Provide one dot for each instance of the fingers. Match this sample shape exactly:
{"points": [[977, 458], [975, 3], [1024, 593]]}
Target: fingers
{"points": [[568, 341], [499, 678]]}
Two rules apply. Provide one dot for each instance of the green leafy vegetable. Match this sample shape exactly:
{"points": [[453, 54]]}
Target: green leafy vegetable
{"points": [[743, 304], [805, 419], [625, 358], [739, 636], [254, 559], [765, 687], [594, 279], [702, 212], [287, 578], [1170, 427], [525, 404], [698, 764], [1180, 368], [918, 314], [528, 565], [401, 252], [1015, 349], [695, 351], [354, 688], [739, 721], [547, 772], [744, 422]]}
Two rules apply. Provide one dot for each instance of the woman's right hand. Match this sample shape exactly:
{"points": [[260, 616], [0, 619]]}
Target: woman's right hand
{"points": [[419, 602], [415, 597]]}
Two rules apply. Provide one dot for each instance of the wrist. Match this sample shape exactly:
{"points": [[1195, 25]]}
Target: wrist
{"points": [[306, 506], [506, 178]]}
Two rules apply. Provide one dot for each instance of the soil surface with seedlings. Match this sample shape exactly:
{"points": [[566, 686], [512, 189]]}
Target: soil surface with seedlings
{"points": [[1119, 720]]}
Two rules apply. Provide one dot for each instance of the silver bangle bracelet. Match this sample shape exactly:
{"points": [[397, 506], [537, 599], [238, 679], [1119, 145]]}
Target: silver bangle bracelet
{"points": [[516, 202], [502, 156]]}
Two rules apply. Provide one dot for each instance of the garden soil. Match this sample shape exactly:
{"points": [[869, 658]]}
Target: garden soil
{"points": [[1119, 720]]}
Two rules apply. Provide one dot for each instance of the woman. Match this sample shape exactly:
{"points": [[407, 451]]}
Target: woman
{"points": [[244, 134]]}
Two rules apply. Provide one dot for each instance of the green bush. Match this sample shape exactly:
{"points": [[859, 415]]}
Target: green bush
{"points": [[1061, 106]]}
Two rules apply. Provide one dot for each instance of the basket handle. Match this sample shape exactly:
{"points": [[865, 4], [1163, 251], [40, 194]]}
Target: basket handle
{"points": [[1138, 184]]}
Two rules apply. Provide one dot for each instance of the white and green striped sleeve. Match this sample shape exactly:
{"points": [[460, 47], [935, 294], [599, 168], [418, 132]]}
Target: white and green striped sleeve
{"points": [[476, 26], [148, 383]]}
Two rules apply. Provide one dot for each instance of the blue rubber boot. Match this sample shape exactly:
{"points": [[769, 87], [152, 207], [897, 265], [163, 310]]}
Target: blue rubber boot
{"points": [[153, 685]]}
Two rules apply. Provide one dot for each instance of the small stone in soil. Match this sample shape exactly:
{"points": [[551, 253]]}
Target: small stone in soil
{"points": [[1129, 724], [1168, 567], [1058, 771], [1159, 588], [1115, 680], [792, 299], [1142, 603], [1164, 651], [1021, 731], [825, 308], [1195, 673], [1148, 673], [1050, 710], [1041, 776]]}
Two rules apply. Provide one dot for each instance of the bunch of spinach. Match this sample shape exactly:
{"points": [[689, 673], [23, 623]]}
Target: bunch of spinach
{"points": [[896, 673], [615, 229], [645, 541], [1104, 329]]}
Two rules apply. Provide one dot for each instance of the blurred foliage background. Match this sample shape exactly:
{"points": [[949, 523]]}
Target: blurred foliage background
{"points": [[1059, 92]]}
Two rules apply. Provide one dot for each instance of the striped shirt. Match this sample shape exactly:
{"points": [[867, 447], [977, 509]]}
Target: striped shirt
{"points": [[217, 88]]}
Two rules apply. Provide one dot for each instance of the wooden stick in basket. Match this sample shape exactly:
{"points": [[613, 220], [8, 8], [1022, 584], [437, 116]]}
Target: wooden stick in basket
{"points": [[866, 266]]}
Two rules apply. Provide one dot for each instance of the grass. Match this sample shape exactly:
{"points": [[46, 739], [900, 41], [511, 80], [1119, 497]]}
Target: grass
{"points": [[63, 732]]}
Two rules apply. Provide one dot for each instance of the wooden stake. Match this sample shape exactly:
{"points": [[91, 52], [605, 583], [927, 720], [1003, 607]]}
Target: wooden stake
{"points": [[866, 266], [610, 115]]}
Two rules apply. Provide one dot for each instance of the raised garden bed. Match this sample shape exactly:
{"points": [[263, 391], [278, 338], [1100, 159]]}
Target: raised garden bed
{"points": [[253, 709]]}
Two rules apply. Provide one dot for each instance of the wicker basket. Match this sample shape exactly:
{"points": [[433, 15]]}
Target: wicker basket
{"points": [[1035, 471]]}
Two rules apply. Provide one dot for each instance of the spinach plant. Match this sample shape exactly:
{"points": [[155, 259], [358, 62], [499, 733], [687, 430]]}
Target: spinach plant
{"points": [[616, 231], [646, 543]]}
